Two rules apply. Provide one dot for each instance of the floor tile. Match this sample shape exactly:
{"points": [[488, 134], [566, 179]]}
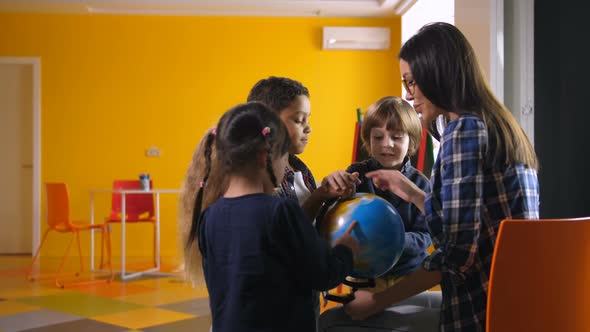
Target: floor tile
{"points": [[86, 325], [80, 304], [19, 281], [131, 267], [140, 318], [162, 281], [199, 307], [172, 304], [16, 263], [27, 291], [145, 277], [12, 307], [13, 272], [32, 319], [162, 296], [198, 324], [113, 289]]}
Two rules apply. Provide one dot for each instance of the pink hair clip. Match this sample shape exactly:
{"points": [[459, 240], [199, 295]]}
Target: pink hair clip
{"points": [[214, 131], [265, 131], [201, 184]]}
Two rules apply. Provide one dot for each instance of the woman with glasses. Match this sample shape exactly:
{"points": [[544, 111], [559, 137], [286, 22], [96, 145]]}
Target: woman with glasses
{"points": [[486, 171]]}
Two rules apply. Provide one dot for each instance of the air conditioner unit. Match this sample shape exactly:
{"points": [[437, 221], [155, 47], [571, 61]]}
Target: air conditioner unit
{"points": [[356, 38]]}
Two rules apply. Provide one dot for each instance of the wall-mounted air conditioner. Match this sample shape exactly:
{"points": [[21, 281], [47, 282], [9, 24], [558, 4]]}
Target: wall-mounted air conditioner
{"points": [[356, 38]]}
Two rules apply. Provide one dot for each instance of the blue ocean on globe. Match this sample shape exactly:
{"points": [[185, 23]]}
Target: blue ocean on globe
{"points": [[379, 230]]}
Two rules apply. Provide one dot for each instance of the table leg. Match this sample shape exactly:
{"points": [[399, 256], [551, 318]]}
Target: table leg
{"points": [[157, 231], [92, 232], [123, 234]]}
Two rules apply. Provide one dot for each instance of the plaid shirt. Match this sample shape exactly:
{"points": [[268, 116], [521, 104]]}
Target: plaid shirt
{"points": [[463, 212], [287, 188]]}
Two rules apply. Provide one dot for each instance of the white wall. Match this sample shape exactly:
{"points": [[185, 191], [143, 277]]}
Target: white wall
{"points": [[519, 78], [426, 11], [502, 34], [472, 17], [16, 149], [421, 13]]}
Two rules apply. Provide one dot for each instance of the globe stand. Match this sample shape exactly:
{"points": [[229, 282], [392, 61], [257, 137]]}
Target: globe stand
{"points": [[355, 285]]}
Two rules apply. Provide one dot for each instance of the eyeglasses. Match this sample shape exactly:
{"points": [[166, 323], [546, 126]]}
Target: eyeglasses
{"points": [[409, 85]]}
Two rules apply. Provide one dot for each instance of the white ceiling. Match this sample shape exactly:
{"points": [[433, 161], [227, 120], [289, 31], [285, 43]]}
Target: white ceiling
{"points": [[322, 8]]}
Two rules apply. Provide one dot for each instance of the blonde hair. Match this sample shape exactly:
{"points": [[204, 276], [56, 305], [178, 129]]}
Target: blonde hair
{"points": [[196, 175], [395, 114]]}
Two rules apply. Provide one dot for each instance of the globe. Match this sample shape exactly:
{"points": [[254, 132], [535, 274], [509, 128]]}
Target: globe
{"points": [[379, 230]]}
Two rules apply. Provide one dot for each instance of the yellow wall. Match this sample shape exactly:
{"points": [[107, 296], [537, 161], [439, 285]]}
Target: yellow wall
{"points": [[112, 86]]}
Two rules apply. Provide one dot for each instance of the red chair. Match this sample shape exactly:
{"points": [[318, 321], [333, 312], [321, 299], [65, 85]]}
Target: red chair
{"points": [[139, 208]]}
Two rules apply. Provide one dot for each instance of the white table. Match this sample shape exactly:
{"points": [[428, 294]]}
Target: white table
{"points": [[124, 192]]}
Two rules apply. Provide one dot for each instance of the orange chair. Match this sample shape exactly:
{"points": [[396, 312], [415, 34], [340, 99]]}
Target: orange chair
{"points": [[138, 207], [58, 219], [540, 276]]}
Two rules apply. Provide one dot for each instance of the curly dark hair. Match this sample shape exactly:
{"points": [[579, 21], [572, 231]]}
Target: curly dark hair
{"points": [[277, 92]]}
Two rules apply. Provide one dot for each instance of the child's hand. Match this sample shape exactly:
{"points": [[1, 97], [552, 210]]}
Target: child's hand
{"points": [[348, 240], [337, 184], [340, 184]]}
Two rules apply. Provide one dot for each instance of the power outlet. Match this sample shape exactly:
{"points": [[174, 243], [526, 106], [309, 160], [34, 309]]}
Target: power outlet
{"points": [[152, 152]]}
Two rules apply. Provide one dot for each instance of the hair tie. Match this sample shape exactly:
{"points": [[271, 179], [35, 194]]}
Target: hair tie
{"points": [[214, 131], [265, 131], [201, 184]]}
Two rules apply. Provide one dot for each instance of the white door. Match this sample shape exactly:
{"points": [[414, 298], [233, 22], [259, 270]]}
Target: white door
{"points": [[16, 158]]}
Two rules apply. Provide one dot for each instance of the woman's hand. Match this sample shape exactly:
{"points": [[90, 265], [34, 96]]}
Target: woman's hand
{"points": [[363, 306], [398, 184], [366, 304]]}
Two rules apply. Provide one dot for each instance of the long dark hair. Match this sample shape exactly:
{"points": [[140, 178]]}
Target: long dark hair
{"points": [[242, 132], [240, 136], [445, 67]]}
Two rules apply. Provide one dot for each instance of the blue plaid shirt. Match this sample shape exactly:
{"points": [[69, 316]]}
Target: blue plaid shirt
{"points": [[468, 201]]}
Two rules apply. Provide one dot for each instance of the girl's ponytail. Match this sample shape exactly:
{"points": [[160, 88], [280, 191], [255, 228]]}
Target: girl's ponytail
{"points": [[199, 199]]}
